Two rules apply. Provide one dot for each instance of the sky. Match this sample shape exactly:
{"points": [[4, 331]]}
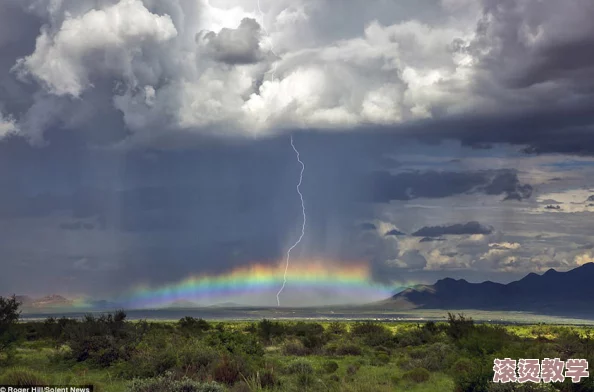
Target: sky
{"points": [[146, 145]]}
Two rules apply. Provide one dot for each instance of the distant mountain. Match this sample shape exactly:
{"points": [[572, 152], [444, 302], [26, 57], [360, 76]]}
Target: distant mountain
{"points": [[552, 292], [182, 304], [50, 301], [228, 305]]}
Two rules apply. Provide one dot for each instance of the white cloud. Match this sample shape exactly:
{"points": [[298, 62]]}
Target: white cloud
{"points": [[583, 258], [106, 42], [7, 126]]}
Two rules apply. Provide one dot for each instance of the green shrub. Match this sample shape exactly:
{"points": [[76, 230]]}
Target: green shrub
{"points": [[168, 384], [336, 328], [417, 375], [23, 378], [103, 340], [485, 340], [436, 357], [472, 375], [197, 358], [352, 369], [300, 367], [303, 370], [517, 387], [193, 325], [348, 349], [235, 343], [295, 347], [459, 326], [330, 366], [380, 359], [270, 329], [10, 333], [373, 334]]}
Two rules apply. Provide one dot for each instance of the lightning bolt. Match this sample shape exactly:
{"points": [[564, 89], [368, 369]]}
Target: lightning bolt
{"points": [[269, 41], [302, 227], [298, 160]]}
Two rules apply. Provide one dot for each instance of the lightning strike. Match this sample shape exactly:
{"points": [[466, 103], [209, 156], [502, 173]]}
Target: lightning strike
{"points": [[302, 227], [269, 41], [288, 260]]}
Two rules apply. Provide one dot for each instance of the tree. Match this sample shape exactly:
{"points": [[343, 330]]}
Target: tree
{"points": [[9, 316]]}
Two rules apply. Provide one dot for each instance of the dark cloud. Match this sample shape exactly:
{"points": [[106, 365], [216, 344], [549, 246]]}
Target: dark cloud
{"points": [[394, 232], [553, 207], [431, 239], [535, 42], [234, 46], [367, 226], [384, 186], [456, 229]]}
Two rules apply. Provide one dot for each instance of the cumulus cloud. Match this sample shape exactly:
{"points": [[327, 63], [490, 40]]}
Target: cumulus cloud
{"points": [[108, 42], [198, 67], [234, 46]]}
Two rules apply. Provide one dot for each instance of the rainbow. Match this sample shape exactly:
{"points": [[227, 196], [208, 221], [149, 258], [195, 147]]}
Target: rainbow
{"points": [[353, 279]]}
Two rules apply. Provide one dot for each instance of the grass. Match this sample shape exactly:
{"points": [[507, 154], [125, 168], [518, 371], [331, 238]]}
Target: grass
{"points": [[246, 356]]}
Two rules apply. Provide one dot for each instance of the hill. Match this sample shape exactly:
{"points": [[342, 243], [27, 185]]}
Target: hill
{"points": [[552, 292]]}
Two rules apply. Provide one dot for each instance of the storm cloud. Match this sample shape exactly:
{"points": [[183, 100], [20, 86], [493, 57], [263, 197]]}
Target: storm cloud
{"points": [[438, 184], [159, 70], [469, 228]]}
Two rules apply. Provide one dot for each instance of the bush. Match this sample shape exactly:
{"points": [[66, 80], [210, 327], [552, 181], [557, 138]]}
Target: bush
{"points": [[264, 380], [270, 329], [295, 347], [517, 387], [459, 326], [9, 316], [23, 378], [192, 325], [105, 339], [197, 358], [303, 370], [380, 359], [352, 369], [485, 339], [436, 357], [373, 334], [235, 343], [336, 328], [300, 367], [330, 366], [348, 349], [168, 384], [230, 370], [472, 375], [417, 375]]}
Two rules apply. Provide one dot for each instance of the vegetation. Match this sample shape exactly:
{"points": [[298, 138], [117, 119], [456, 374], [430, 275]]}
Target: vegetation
{"points": [[194, 355]]}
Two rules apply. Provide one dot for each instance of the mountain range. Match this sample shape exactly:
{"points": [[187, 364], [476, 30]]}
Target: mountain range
{"points": [[553, 292], [50, 301]]}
